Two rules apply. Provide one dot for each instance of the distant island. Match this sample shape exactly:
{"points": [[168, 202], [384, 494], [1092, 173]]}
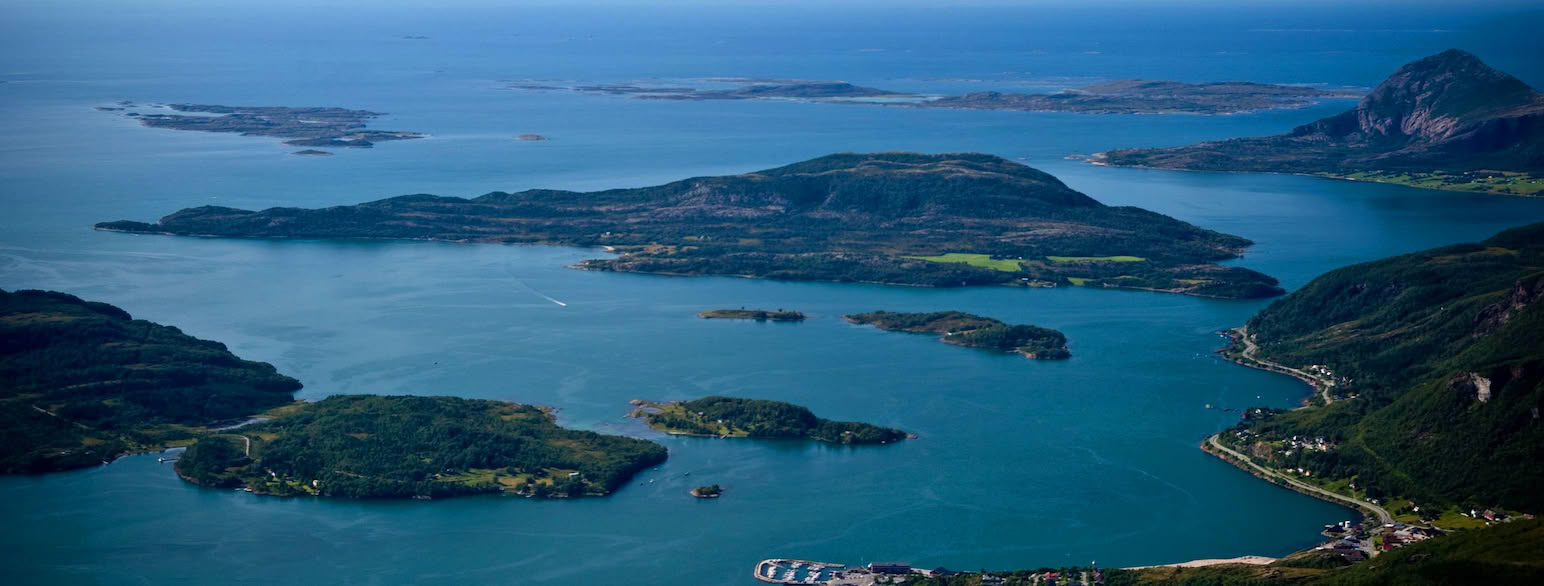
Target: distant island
{"points": [[733, 417], [86, 383], [530, 137], [707, 492], [974, 331], [803, 90], [371, 446], [897, 218], [307, 127], [755, 314], [1133, 96], [313, 153], [1448, 121]]}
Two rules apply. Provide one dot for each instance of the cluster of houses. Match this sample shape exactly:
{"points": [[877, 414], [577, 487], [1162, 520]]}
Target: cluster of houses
{"points": [[1317, 444]]}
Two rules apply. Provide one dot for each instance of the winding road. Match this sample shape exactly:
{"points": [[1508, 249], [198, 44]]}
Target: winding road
{"points": [[1249, 352], [1383, 514]]}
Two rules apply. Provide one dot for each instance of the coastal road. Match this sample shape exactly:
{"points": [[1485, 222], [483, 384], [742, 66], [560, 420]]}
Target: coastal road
{"points": [[1249, 352], [1383, 514]]}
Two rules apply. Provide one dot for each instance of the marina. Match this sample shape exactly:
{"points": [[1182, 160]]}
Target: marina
{"points": [[785, 571]]}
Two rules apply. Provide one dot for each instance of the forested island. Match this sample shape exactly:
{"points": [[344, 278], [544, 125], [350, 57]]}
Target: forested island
{"points": [[756, 418], [1131, 96], [1430, 376], [974, 331], [1448, 121], [711, 491], [755, 314], [896, 218], [85, 383], [371, 446], [308, 127]]}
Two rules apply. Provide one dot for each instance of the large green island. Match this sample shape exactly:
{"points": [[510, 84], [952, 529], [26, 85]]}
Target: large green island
{"points": [[85, 383], [1448, 121], [974, 331], [756, 418], [883, 218]]}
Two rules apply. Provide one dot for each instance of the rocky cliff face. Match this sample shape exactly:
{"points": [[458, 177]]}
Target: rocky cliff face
{"points": [[1434, 97], [1449, 111]]}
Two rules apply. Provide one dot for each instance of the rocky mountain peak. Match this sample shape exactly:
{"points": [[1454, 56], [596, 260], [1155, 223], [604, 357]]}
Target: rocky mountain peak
{"points": [[1433, 97]]}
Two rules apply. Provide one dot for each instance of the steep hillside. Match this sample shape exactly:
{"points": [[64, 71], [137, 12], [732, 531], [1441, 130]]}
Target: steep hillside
{"points": [[1437, 359]]}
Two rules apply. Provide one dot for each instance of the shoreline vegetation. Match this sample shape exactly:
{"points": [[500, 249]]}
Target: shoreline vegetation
{"points": [[1132, 96], [972, 331], [729, 417], [1504, 554], [86, 383], [1448, 121], [305, 127], [841, 218], [754, 314]]}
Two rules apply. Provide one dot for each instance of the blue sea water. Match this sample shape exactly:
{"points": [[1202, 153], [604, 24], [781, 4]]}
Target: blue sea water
{"points": [[1019, 464]]}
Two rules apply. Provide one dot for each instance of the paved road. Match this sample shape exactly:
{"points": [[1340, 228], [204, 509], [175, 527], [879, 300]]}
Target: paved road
{"points": [[1249, 352], [1383, 515]]}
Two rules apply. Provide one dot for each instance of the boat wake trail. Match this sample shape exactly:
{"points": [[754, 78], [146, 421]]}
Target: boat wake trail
{"points": [[528, 288]]}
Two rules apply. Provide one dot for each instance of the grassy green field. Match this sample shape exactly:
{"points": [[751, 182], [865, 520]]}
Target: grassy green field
{"points": [[1503, 182], [1079, 281], [676, 410], [976, 260], [1120, 258], [476, 476]]}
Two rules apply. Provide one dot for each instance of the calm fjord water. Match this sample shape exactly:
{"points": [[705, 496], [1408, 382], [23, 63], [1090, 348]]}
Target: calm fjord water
{"points": [[1019, 463]]}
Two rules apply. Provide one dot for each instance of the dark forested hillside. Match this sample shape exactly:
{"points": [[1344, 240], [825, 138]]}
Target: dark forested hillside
{"points": [[735, 417], [1438, 363], [81, 382], [366, 446], [883, 218]]}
